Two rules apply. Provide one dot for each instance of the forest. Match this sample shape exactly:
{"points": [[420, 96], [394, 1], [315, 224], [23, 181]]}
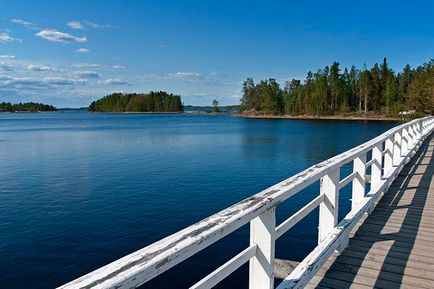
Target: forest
{"points": [[336, 91], [138, 102], [25, 107]]}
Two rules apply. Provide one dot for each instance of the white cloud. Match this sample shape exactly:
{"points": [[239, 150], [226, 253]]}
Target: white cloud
{"points": [[63, 81], [25, 83], [57, 36], [25, 23], [97, 25], [6, 67], [82, 50], [85, 74], [86, 24], [75, 25], [86, 65], [5, 37], [4, 77], [7, 57], [185, 75], [119, 67], [115, 81], [42, 68], [177, 76]]}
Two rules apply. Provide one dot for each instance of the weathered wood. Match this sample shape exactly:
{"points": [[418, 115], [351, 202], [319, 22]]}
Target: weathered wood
{"points": [[358, 194], [328, 209], [298, 216], [283, 268], [388, 156], [397, 148], [376, 166], [226, 269], [263, 235]]}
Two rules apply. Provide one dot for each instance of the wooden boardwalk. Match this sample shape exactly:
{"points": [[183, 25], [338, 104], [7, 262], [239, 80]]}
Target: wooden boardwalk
{"points": [[394, 246]]}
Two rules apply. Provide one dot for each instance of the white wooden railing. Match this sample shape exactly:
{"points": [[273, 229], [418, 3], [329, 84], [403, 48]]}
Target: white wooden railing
{"points": [[390, 152]]}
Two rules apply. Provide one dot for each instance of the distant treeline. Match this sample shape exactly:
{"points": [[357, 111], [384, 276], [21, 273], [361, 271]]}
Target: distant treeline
{"points": [[27, 107], [138, 102], [333, 91], [207, 108]]}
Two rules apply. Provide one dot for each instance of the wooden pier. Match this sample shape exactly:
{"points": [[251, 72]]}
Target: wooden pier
{"points": [[394, 246], [385, 241]]}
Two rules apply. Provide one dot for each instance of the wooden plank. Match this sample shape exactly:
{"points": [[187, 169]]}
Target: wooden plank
{"points": [[401, 247], [283, 268]]}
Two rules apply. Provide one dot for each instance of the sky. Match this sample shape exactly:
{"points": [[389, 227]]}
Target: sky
{"points": [[69, 53]]}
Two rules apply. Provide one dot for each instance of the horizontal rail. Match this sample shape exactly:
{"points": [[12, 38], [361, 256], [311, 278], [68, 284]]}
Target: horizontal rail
{"points": [[298, 216], [386, 152], [141, 266], [226, 269], [345, 181]]}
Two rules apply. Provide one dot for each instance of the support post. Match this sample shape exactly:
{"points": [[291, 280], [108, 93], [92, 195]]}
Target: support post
{"points": [[359, 181], [388, 157], [404, 142], [419, 130], [261, 266], [397, 149], [328, 209], [410, 138], [376, 168]]}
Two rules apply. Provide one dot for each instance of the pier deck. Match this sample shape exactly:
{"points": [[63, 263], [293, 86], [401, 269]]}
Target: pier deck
{"points": [[394, 246]]}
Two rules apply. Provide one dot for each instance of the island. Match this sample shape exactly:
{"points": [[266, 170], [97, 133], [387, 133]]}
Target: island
{"points": [[154, 101], [26, 107], [334, 92]]}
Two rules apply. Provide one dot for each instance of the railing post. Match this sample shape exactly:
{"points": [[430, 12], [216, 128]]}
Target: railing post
{"points": [[377, 165], [359, 167], [261, 266], [328, 209], [397, 149], [388, 157], [410, 138], [404, 142]]}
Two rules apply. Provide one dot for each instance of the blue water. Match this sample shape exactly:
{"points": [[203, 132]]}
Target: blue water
{"points": [[79, 190]]}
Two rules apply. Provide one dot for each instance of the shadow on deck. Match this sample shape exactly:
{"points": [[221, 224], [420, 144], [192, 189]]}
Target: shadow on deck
{"points": [[394, 246]]}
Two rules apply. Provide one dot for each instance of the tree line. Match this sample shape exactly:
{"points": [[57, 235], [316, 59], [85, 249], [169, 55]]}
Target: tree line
{"points": [[28, 107], [159, 101], [332, 90]]}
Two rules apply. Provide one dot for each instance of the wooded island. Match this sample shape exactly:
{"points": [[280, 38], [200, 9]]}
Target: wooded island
{"points": [[138, 102], [25, 107], [331, 91]]}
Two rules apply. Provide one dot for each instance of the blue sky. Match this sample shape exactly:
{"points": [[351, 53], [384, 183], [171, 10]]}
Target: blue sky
{"points": [[68, 53]]}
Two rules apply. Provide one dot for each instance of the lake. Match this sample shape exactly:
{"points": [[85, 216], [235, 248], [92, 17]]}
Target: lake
{"points": [[79, 190]]}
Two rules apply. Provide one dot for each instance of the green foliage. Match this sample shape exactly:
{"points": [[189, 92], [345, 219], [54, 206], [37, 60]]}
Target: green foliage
{"points": [[265, 96], [138, 102], [215, 106], [334, 90], [27, 107]]}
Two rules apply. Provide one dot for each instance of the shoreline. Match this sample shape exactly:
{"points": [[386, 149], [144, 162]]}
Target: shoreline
{"points": [[311, 117], [139, 112]]}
